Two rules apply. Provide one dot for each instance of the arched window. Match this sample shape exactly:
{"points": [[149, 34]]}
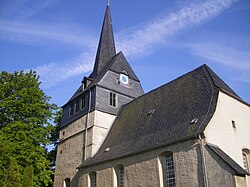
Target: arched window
{"points": [[92, 177], [66, 182], [168, 169], [120, 173], [245, 155]]}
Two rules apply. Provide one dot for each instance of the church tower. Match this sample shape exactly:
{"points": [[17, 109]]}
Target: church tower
{"points": [[90, 112]]}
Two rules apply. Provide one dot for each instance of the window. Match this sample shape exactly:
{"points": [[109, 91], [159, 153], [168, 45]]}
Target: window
{"points": [[233, 124], [245, 155], [167, 161], [82, 102], [77, 106], [92, 177], [120, 175], [112, 99], [71, 110], [66, 182]]}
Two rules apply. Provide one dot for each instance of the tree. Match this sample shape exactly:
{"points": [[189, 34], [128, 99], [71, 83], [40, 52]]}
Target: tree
{"points": [[28, 176], [12, 176], [25, 125]]}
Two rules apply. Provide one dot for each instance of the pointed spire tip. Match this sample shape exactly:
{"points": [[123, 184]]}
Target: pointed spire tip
{"points": [[107, 2]]}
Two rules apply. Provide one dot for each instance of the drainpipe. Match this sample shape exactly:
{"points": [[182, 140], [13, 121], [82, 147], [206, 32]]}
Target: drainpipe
{"points": [[86, 128], [204, 166]]}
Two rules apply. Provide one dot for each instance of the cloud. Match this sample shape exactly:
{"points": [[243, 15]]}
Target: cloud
{"points": [[23, 9], [157, 32], [225, 55], [42, 33], [52, 73], [134, 43]]}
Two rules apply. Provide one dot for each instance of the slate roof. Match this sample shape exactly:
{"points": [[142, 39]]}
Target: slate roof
{"points": [[106, 57], [236, 167], [173, 106], [106, 47], [117, 64]]}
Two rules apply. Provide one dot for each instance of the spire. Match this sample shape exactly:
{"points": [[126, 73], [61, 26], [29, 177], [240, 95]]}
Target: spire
{"points": [[106, 47]]}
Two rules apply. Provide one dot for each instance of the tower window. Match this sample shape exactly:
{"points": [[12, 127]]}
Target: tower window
{"points": [[92, 177], [71, 110], [82, 102], [77, 106], [112, 99]]}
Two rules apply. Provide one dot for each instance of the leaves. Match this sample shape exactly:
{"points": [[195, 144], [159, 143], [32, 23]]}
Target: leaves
{"points": [[25, 128]]}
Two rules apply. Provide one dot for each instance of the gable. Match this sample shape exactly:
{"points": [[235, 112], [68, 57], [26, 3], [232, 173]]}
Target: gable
{"points": [[121, 64]]}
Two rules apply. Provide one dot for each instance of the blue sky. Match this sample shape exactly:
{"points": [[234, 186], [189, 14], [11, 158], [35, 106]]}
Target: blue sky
{"points": [[161, 39]]}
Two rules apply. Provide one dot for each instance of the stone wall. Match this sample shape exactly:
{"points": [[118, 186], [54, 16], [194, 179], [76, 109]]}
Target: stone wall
{"points": [[71, 149], [144, 169], [218, 171]]}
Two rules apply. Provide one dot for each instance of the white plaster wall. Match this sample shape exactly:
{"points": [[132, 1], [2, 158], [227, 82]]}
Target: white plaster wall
{"points": [[221, 132], [99, 124], [102, 125]]}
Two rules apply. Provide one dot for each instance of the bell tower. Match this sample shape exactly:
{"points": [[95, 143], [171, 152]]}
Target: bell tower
{"points": [[90, 112]]}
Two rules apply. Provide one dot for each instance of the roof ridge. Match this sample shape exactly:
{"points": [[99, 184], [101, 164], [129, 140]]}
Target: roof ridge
{"points": [[206, 69]]}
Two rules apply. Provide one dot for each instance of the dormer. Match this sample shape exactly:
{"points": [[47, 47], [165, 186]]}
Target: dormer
{"points": [[86, 82]]}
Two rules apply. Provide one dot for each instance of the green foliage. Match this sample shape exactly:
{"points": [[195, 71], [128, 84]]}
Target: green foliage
{"points": [[28, 176], [25, 129], [12, 176]]}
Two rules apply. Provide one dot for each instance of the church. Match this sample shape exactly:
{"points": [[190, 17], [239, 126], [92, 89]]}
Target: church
{"points": [[192, 131]]}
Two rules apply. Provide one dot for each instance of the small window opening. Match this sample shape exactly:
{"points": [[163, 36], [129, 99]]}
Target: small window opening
{"points": [[77, 106], [63, 133], [71, 110], [61, 152], [233, 124], [82, 102], [112, 99]]}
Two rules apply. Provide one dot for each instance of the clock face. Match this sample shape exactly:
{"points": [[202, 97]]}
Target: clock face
{"points": [[124, 79]]}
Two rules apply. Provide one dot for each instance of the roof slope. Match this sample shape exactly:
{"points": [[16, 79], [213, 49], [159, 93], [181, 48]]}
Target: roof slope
{"points": [[106, 47], [175, 104], [236, 167], [117, 63]]}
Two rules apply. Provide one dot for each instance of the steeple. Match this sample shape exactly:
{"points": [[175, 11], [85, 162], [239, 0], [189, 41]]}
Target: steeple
{"points": [[106, 46]]}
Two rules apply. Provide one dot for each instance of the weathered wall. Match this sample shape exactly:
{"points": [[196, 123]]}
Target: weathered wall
{"points": [[218, 172], [103, 98], [240, 181], [143, 169], [69, 156], [221, 132], [99, 124], [72, 142], [110, 81]]}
